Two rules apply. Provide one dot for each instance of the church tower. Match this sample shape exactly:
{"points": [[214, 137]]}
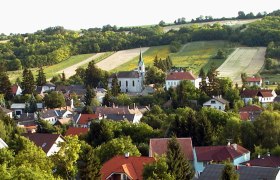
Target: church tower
{"points": [[141, 66]]}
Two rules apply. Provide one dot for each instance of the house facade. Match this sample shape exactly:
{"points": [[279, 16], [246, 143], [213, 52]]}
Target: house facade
{"points": [[254, 81], [216, 103], [173, 79], [205, 155], [19, 108], [263, 96], [131, 81]]}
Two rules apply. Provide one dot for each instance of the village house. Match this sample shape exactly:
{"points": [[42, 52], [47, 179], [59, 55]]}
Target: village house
{"points": [[125, 167], [7, 112], [16, 90], [264, 161], [72, 131], [253, 81], [250, 112], [204, 155], [214, 172], [263, 96], [131, 81], [159, 146], [217, 103], [19, 108], [48, 142], [27, 122], [173, 79], [119, 113], [54, 115], [84, 120]]}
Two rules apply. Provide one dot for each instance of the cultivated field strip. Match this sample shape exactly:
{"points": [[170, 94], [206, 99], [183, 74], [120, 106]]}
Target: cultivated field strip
{"points": [[119, 58], [70, 71], [243, 59]]}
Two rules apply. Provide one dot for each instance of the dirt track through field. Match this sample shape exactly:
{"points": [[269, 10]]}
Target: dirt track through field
{"points": [[70, 71], [244, 59], [119, 58]]}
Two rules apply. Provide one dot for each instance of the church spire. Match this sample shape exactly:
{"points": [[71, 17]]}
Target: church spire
{"points": [[140, 56]]}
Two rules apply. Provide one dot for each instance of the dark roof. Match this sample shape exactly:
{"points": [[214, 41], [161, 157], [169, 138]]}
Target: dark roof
{"points": [[39, 89], [126, 74], [249, 93], [132, 166], [180, 76], [5, 110], [219, 153], [49, 84], [116, 110], [250, 108], [78, 89], [119, 117], [159, 146], [43, 140], [72, 131], [27, 117], [277, 99], [265, 161], [221, 100], [48, 113], [214, 172]]}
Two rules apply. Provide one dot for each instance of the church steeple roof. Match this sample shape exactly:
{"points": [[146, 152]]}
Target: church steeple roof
{"points": [[140, 57]]}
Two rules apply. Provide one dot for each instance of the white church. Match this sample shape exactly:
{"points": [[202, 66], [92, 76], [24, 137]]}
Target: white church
{"points": [[131, 81]]}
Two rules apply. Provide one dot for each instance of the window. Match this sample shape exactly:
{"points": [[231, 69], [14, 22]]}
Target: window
{"points": [[126, 83], [220, 107], [120, 83], [213, 102], [133, 84]]}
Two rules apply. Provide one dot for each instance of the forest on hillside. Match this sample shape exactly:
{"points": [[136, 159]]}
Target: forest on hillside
{"points": [[55, 44]]}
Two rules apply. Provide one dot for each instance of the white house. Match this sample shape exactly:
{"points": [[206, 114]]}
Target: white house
{"points": [[131, 81], [264, 96], [254, 81], [3, 144], [18, 108], [216, 103], [173, 79], [53, 115], [48, 142]]}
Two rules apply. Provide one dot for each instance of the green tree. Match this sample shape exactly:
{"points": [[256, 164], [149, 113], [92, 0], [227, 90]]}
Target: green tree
{"points": [[155, 75], [229, 172], [157, 170], [28, 83], [178, 165], [90, 94], [88, 164], [115, 89], [117, 146], [5, 86], [66, 158], [54, 100], [122, 100], [41, 77], [248, 135]]}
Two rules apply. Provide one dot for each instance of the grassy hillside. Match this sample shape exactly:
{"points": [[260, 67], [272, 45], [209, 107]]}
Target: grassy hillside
{"points": [[50, 71], [194, 55]]}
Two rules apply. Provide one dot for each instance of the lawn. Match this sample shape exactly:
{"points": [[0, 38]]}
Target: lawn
{"points": [[50, 71], [100, 58]]}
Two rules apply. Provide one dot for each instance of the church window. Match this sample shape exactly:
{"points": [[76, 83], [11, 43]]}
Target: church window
{"points": [[133, 84]]}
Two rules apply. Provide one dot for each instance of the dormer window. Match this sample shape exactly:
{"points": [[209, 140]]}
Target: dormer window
{"points": [[213, 102]]}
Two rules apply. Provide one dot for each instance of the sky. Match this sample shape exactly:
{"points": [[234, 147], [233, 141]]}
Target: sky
{"points": [[27, 16]]}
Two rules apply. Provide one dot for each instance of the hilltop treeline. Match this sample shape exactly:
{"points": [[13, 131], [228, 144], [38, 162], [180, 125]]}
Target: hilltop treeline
{"points": [[55, 44]]}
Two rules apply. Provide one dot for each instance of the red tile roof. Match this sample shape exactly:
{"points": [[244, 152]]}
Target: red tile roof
{"points": [[244, 116], [131, 166], [253, 79], [14, 89], [250, 108], [265, 94], [159, 146], [86, 118], [72, 131], [43, 140], [219, 153], [180, 76], [266, 161], [249, 93]]}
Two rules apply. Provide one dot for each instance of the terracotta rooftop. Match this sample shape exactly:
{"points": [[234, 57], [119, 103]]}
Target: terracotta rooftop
{"points": [[180, 76], [250, 108], [219, 153], [14, 88], [43, 140], [265, 161], [253, 79], [86, 118], [159, 146], [265, 94], [131, 166], [72, 131], [244, 116]]}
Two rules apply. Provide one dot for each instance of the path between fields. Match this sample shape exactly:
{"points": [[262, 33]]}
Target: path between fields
{"points": [[70, 71], [119, 58], [243, 59]]}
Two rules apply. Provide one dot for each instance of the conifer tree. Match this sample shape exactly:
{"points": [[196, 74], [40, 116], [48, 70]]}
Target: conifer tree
{"points": [[41, 77], [229, 173], [178, 165], [63, 77], [5, 86], [90, 94], [28, 84], [115, 86]]}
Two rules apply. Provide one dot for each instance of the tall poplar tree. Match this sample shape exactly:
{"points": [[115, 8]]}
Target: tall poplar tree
{"points": [[28, 83], [115, 86], [178, 165], [41, 77]]}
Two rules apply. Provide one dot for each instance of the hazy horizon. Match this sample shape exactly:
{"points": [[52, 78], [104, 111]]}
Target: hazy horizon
{"points": [[32, 15]]}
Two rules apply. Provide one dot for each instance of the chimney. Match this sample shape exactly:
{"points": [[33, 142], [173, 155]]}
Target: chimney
{"points": [[248, 164], [259, 156], [126, 155], [234, 146], [268, 154], [228, 144]]}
